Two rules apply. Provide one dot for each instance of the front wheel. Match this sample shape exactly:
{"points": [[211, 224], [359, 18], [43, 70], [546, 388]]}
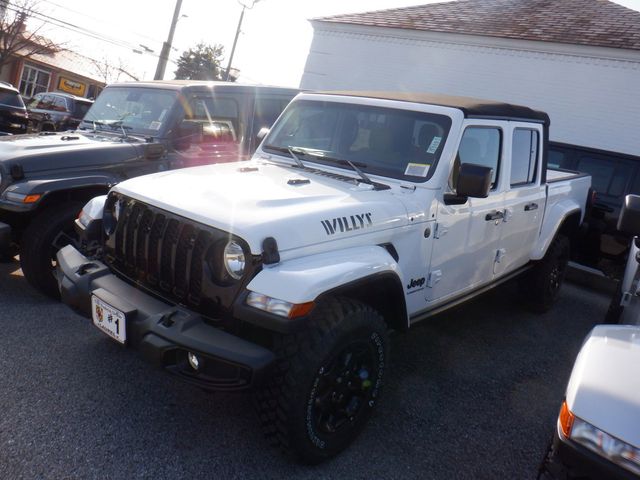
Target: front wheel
{"points": [[46, 234], [328, 381]]}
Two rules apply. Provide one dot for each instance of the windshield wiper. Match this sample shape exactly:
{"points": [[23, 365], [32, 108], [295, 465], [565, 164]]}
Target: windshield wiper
{"points": [[295, 157], [94, 123], [290, 151], [295, 151], [364, 178]]}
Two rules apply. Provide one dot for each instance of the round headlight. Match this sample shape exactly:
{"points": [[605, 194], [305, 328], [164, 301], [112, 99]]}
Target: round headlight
{"points": [[234, 260]]}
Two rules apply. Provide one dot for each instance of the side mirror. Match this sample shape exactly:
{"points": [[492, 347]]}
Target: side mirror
{"points": [[473, 181], [264, 131], [187, 133], [629, 218]]}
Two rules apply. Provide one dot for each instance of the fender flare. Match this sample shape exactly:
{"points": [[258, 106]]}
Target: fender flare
{"points": [[552, 223], [47, 186], [305, 279]]}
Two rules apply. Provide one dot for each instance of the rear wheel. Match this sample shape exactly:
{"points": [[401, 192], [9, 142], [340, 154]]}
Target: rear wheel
{"points": [[541, 286], [327, 382], [615, 309], [46, 234]]}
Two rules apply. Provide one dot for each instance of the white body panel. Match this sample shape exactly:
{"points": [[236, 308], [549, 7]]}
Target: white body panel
{"points": [[604, 385], [590, 93], [564, 197], [332, 231], [304, 279], [630, 286]]}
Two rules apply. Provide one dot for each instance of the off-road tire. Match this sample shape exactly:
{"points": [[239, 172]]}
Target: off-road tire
{"points": [[37, 252], [541, 285], [289, 405], [615, 310]]}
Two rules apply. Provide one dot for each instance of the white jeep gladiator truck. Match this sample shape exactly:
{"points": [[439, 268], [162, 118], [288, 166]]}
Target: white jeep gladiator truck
{"points": [[359, 213]]}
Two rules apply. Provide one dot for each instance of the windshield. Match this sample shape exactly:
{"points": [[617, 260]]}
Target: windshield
{"points": [[138, 110], [395, 143]]}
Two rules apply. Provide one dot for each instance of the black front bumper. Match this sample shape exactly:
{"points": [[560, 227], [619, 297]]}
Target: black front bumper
{"points": [[569, 460], [164, 333]]}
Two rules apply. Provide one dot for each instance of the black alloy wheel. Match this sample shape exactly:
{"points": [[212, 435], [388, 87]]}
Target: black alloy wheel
{"points": [[327, 381], [342, 388]]}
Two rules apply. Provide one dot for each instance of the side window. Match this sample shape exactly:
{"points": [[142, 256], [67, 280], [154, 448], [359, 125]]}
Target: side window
{"points": [[45, 103], [524, 156], [59, 104], [481, 146], [220, 118], [266, 112], [557, 159]]}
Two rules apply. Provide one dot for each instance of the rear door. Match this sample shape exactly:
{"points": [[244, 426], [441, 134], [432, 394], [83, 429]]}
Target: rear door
{"points": [[524, 198]]}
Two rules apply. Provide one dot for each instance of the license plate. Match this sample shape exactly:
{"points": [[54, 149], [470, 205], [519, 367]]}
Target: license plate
{"points": [[108, 319]]}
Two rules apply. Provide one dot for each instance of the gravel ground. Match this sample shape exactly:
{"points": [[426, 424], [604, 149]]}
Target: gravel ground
{"points": [[473, 393]]}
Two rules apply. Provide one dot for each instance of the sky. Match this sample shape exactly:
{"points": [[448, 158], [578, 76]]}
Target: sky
{"points": [[272, 48]]}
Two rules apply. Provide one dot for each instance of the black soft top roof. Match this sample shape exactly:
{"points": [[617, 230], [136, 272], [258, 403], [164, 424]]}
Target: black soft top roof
{"points": [[471, 107]]}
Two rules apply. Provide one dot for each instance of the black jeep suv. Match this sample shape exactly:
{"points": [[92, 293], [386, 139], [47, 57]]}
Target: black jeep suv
{"points": [[132, 129], [13, 114]]}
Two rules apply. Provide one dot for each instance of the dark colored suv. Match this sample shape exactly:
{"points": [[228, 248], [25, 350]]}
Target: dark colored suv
{"points": [[13, 114], [132, 129], [56, 112]]}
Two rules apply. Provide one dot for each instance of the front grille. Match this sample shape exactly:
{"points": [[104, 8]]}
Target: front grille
{"points": [[167, 254]]}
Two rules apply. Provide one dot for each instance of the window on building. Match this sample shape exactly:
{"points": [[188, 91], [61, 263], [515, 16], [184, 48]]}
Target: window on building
{"points": [[524, 156], [33, 81]]}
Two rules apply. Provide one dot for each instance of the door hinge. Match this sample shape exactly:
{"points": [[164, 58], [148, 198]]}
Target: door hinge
{"points": [[439, 231], [500, 254], [434, 277]]}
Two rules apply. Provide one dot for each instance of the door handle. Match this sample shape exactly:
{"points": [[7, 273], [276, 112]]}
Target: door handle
{"points": [[530, 206], [498, 215]]}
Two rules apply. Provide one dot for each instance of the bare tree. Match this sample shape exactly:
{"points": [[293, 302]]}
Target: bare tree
{"points": [[15, 40], [112, 71]]}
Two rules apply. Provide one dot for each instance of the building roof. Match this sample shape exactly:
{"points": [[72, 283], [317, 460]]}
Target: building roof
{"points": [[583, 22], [71, 62], [471, 107]]}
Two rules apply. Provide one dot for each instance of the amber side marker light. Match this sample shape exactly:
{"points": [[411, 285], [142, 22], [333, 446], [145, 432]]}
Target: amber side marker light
{"points": [[31, 198], [565, 419], [301, 309]]}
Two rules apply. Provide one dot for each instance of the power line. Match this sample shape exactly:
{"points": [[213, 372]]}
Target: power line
{"points": [[78, 29], [139, 35]]}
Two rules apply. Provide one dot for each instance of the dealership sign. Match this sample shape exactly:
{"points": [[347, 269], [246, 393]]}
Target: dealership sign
{"points": [[71, 86]]}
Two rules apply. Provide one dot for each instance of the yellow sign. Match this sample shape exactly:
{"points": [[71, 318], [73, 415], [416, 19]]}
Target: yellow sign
{"points": [[71, 86]]}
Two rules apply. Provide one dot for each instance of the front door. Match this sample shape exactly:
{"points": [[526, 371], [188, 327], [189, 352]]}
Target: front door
{"points": [[467, 236]]}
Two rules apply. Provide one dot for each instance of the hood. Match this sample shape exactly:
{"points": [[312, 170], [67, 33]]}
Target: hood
{"points": [[259, 199], [38, 152], [604, 385]]}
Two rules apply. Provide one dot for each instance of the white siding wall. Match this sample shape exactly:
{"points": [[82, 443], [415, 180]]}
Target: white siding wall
{"points": [[591, 94]]}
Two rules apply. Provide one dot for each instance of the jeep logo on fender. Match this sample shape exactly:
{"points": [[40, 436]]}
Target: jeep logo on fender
{"points": [[416, 283], [347, 224]]}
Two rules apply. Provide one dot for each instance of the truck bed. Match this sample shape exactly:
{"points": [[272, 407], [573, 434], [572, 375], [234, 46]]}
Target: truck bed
{"points": [[559, 174]]}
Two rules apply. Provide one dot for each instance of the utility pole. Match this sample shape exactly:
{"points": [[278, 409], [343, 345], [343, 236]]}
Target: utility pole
{"points": [[166, 46], [235, 40]]}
